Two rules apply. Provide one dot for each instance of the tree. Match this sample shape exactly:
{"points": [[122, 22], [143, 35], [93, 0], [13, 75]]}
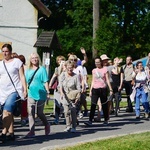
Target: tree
{"points": [[78, 31], [95, 23], [122, 30]]}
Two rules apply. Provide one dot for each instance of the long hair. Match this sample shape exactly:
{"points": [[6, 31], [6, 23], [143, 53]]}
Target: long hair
{"points": [[30, 57]]}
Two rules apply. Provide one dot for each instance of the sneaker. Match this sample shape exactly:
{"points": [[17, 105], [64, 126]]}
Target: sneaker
{"points": [[30, 135], [10, 137], [80, 115], [129, 110], [67, 129], [88, 123], [137, 117], [116, 112], [85, 114], [3, 138], [146, 115], [73, 130], [97, 119], [47, 129], [112, 111], [106, 123], [24, 122], [55, 122]]}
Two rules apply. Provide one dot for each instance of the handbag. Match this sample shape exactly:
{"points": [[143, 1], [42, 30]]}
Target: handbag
{"points": [[17, 109], [55, 83], [73, 95]]}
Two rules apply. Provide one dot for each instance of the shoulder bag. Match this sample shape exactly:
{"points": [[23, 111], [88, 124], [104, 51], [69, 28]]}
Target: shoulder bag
{"points": [[32, 77]]}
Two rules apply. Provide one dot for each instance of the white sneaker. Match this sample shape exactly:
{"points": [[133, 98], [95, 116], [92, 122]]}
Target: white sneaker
{"points": [[67, 129], [73, 130], [80, 115]]}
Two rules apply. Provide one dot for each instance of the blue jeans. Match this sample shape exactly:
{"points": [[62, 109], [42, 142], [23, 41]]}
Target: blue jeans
{"points": [[10, 104], [141, 96]]}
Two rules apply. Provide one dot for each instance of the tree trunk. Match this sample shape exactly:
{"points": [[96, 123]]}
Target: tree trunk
{"points": [[96, 8]]}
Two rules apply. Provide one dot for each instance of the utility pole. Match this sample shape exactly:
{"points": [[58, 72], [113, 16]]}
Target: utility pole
{"points": [[96, 7]]}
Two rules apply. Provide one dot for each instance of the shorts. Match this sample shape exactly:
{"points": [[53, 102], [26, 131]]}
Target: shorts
{"points": [[10, 104]]}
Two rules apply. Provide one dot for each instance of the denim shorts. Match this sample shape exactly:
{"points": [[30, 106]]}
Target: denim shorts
{"points": [[10, 104]]}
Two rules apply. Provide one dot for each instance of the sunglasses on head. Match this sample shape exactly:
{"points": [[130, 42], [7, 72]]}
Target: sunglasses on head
{"points": [[73, 59]]}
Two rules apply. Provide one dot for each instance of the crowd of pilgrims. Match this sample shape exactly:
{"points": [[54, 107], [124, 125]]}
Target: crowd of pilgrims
{"points": [[70, 84]]}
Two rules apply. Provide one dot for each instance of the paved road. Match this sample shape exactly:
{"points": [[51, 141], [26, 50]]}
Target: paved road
{"points": [[124, 124]]}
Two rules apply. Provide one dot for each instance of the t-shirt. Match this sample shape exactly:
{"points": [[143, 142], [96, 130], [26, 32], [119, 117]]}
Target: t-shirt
{"points": [[99, 77], [140, 77], [6, 86], [37, 89], [80, 72], [128, 70]]}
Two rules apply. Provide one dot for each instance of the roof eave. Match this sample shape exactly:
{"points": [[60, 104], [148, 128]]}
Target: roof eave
{"points": [[40, 6]]}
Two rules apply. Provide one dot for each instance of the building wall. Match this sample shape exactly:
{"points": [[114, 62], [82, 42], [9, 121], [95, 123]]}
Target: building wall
{"points": [[18, 24]]}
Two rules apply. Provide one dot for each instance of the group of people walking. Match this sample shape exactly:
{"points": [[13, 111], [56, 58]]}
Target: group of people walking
{"points": [[31, 83]]}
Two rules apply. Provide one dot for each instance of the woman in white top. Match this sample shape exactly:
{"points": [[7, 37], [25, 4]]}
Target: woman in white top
{"points": [[140, 77], [8, 92]]}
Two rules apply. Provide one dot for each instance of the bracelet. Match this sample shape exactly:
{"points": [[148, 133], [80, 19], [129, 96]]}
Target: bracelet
{"points": [[111, 90]]}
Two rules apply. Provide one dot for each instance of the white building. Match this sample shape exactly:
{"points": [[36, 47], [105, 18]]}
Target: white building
{"points": [[19, 24]]}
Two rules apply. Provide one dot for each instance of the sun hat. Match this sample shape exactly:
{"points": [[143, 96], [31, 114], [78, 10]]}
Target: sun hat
{"points": [[104, 57]]}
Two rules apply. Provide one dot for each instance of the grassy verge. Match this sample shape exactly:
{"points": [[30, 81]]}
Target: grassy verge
{"points": [[130, 142], [49, 108]]}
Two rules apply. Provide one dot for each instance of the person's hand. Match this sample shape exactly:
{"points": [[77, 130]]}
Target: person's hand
{"points": [[25, 94], [119, 88], [111, 92], [48, 96], [50, 86], [76, 101], [83, 50]]}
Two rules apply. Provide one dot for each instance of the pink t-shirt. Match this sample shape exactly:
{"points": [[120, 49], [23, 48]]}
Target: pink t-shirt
{"points": [[99, 76]]}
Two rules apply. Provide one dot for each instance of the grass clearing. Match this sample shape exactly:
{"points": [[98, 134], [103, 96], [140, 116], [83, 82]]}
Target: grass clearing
{"points": [[129, 142]]}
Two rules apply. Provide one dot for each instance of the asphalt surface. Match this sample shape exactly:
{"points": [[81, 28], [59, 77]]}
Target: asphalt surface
{"points": [[124, 124]]}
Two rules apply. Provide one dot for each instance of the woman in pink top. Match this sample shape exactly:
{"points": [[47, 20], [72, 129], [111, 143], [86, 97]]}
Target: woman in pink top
{"points": [[98, 89]]}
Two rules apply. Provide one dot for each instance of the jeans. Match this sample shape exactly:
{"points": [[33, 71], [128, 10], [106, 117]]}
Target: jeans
{"points": [[141, 96], [10, 104]]}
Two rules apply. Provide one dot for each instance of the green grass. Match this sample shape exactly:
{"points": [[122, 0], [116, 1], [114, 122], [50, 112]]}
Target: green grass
{"points": [[130, 142], [49, 108]]}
